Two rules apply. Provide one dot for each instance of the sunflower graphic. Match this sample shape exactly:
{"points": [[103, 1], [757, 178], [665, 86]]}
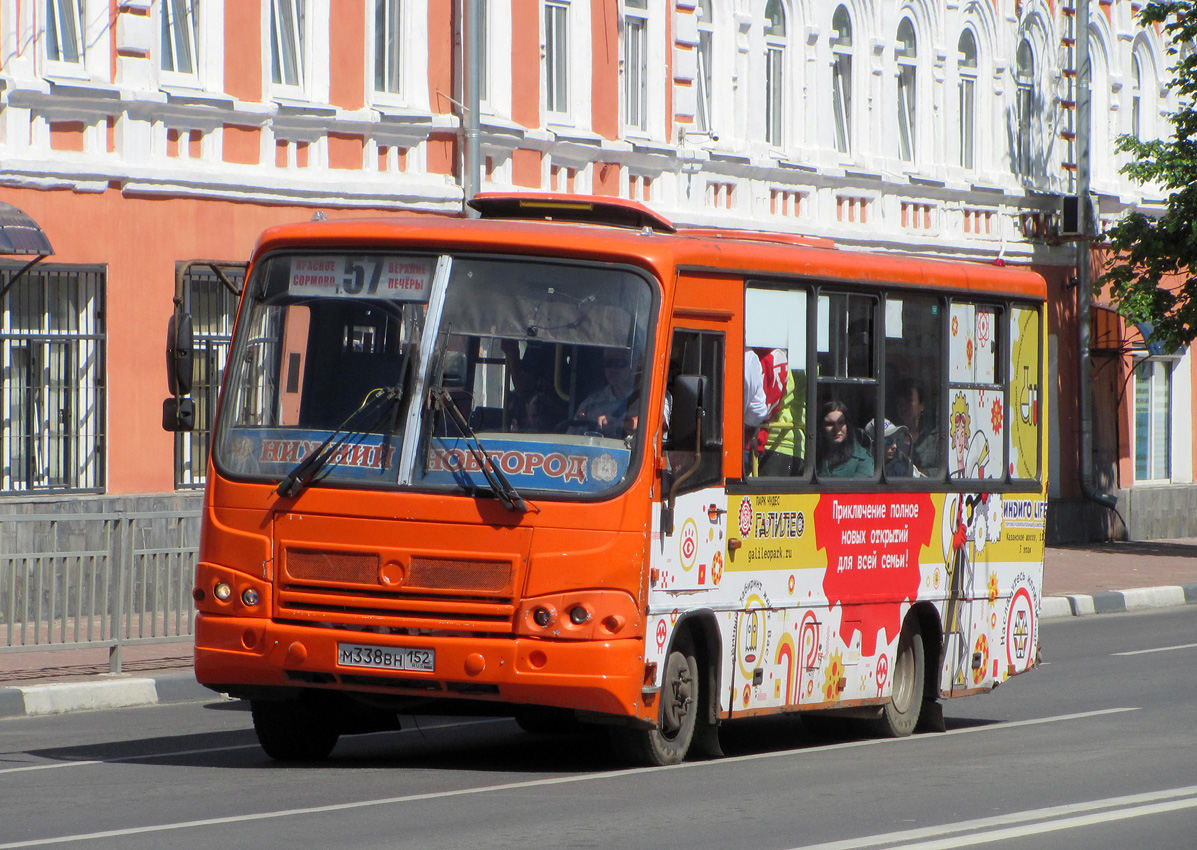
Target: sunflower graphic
{"points": [[982, 649], [993, 588], [995, 417], [833, 683]]}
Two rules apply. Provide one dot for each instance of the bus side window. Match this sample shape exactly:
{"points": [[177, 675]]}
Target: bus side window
{"points": [[775, 356], [848, 388], [1023, 414], [914, 326], [695, 386], [975, 416]]}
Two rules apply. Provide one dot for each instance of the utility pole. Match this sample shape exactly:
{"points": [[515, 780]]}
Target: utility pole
{"points": [[1086, 225], [471, 165]]}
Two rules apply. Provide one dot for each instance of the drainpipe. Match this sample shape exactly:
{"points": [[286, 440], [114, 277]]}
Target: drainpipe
{"points": [[471, 165], [1084, 275]]}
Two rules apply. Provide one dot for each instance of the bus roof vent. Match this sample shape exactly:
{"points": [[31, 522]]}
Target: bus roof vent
{"points": [[588, 209]]}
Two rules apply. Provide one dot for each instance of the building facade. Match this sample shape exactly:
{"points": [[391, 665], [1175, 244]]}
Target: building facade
{"points": [[141, 134]]}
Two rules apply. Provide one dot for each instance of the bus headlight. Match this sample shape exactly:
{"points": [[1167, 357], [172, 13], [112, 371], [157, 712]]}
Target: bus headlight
{"points": [[222, 591], [250, 597]]}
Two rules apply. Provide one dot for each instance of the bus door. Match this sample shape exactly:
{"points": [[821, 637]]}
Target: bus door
{"points": [[690, 508]]}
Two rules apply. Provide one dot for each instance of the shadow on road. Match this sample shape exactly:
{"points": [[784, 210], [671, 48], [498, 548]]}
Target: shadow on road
{"points": [[481, 745]]}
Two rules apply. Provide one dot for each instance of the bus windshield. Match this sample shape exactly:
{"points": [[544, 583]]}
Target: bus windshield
{"points": [[427, 371]]}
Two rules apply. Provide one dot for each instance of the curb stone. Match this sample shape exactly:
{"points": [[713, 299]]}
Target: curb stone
{"points": [[1117, 601], [113, 692]]}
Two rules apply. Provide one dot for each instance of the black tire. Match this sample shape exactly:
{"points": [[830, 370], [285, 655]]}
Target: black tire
{"points": [[900, 715], [677, 716], [296, 729]]}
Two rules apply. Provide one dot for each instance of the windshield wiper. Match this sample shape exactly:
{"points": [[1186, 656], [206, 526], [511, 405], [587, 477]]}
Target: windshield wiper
{"points": [[498, 482], [384, 401]]}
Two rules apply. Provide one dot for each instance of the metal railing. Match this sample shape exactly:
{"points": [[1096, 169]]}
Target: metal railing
{"points": [[109, 579]]}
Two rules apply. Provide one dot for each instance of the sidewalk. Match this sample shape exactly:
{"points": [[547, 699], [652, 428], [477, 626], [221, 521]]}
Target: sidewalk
{"points": [[1098, 578]]}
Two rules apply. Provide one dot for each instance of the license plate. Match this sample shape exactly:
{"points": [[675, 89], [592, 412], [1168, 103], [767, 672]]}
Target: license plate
{"points": [[386, 657]]}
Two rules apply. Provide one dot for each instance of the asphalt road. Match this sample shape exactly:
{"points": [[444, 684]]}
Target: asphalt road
{"points": [[1096, 749]]}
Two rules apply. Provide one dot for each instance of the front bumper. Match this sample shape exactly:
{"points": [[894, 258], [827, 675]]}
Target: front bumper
{"points": [[243, 654]]}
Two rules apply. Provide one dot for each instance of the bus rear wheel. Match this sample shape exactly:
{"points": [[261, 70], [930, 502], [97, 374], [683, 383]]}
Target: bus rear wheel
{"points": [[900, 715], [679, 702], [296, 729]]}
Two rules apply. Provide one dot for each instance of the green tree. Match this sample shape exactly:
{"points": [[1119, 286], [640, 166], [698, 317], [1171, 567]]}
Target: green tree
{"points": [[1154, 276]]}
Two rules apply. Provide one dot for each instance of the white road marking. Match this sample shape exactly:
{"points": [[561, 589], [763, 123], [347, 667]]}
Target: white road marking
{"points": [[533, 783], [1158, 649], [1021, 824]]}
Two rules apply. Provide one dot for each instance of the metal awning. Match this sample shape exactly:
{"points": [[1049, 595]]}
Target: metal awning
{"points": [[20, 234]]}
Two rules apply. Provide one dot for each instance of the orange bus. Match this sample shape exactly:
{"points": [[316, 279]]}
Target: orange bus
{"points": [[567, 461]]}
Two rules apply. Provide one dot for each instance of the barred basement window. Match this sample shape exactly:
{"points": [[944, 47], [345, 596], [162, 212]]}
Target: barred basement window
{"points": [[52, 380], [213, 309]]}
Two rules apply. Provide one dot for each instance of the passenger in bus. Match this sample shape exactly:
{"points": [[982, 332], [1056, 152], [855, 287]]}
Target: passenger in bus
{"points": [[896, 450], [781, 439], [912, 415], [611, 410], [840, 454], [756, 405]]}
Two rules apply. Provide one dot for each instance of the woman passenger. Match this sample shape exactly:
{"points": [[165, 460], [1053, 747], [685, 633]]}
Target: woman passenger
{"points": [[840, 454]]}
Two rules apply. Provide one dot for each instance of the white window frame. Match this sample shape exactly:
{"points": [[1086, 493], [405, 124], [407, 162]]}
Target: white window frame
{"points": [[635, 66], [842, 54], [276, 27], [776, 45], [704, 54], [907, 93], [57, 15], [1153, 422], [557, 43], [968, 73], [392, 70], [179, 29]]}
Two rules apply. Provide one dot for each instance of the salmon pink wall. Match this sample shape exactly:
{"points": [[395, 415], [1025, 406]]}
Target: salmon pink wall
{"points": [[440, 55], [242, 45], [139, 240], [345, 151], [242, 144], [347, 72], [525, 168], [525, 62], [604, 80]]}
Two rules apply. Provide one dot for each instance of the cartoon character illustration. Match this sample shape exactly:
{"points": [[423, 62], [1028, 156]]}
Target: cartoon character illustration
{"points": [[970, 522], [971, 450]]}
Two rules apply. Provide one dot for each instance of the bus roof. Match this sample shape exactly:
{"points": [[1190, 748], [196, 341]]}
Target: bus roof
{"points": [[634, 240]]}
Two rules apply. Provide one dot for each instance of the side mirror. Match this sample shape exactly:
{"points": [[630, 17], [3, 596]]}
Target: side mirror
{"points": [[178, 414], [180, 354]]}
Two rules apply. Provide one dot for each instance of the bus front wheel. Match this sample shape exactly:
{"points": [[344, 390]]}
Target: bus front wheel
{"points": [[296, 729], [669, 742], [900, 715]]}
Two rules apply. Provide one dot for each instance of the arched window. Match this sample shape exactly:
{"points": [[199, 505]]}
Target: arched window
{"points": [[1024, 78], [775, 49], [1136, 95], [706, 32], [967, 64], [841, 77], [906, 53]]}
